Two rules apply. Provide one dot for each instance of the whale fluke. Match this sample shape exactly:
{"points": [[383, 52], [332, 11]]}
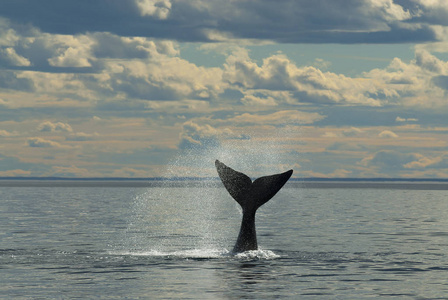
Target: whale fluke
{"points": [[250, 195]]}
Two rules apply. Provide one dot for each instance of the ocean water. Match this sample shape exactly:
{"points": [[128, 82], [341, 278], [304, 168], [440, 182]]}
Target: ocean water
{"points": [[146, 240]]}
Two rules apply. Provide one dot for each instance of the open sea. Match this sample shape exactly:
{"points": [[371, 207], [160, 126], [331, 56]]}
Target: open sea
{"points": [[171, 240]]}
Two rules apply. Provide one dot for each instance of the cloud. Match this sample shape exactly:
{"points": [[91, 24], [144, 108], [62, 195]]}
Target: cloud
{"points": [[15, 173], [285, 117], [10, 57], [353, 131], [42, 143], [157, 8], [423, 162], [107, 45], [338, 173], [4, 133], [394, 163], [331, 134], [14, 166], [253, 100], [127, 59], [390, 160], [81, 136], [48, 126], [341, 146], [13, 81], [371, 21], [321, 64], [161, 77], [416, 83], [441, 81], [4, 104], [130, 172], [198, 136], [70, 171], [102, 65], [70, 57], [399, 119], [387, 134], [303, 84], [433, 12]]}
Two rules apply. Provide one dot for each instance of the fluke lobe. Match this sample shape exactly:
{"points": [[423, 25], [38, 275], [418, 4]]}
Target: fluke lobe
{"points": [[250, 195]]}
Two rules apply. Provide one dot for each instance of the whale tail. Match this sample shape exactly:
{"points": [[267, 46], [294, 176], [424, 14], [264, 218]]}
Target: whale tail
{"points": [[250, 195]]}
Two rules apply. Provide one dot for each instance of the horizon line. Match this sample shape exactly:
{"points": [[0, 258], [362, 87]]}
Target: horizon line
{"points": [[43, 178]]}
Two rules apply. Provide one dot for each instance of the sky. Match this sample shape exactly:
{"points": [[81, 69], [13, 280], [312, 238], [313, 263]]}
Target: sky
{"points": [[150, 88]]}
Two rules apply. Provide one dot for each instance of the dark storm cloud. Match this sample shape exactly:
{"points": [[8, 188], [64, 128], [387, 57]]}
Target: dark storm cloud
{"points": [[319, 21], [81, 16]]}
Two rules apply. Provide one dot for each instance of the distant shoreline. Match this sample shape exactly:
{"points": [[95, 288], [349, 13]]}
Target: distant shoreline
{"points": [[195, 182], [306, 179]]}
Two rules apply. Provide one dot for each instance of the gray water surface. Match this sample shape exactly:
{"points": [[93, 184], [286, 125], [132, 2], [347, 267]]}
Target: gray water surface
{"points": [[127, 241]]}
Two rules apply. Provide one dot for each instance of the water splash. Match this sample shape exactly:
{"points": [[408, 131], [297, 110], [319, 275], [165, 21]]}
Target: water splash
{"points": [[202, 254], [257, 255], [168, 218], [185, 254], [184, 215], [253, 156]]}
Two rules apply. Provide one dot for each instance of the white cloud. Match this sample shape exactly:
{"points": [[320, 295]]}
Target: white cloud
{"points": [[42, 143], [71, 51], [161, 76], [11, 57], [388, 160], [251, 100], [141, 68], [419, 83], [277, 118], [305, 84], [81, 136], [395, 163], [8, 36], [399, 119], [353, 131], [321, 64], [4, 133], [71, 57], [387, 134], [4, 103], [329, 134], [428, 62], [156, 8], [387, 10], [48, 126], [107, 45], [350, 132], [423, 162], [194, 135]]}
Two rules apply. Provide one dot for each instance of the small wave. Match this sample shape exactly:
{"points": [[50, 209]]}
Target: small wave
{"points": [[257, 254]]}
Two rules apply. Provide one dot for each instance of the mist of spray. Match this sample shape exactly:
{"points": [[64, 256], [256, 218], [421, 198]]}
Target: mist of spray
{"points": [[181, 215]]}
